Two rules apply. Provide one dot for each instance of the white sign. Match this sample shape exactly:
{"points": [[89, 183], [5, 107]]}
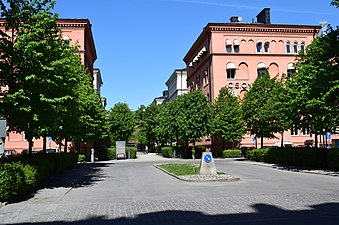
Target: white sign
{"points": [[120, 150]]}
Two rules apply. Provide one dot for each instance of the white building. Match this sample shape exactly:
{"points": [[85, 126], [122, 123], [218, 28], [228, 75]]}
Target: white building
{"points": [[176, 84]]}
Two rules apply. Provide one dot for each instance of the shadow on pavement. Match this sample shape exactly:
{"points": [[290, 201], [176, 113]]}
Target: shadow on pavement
{"points": [[81, 175], [324, 214]]}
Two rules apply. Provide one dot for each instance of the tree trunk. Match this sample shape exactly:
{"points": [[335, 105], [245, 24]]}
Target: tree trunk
{"points": [[44, 143], [316, 140], [262, 141], [65, 149], [282, 139]]}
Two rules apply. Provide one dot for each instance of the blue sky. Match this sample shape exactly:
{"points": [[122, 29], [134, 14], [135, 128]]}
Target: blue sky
{"points": [[140, 43]]}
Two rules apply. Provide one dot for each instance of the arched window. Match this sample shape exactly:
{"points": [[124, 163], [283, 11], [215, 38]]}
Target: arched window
{"points": [[259, 46], [290, 70], [66, 40], [295, 47], [302, 47], [228, 45], [236, 45], [288, 47], [261, 69], [231, 70], [266, 46]]}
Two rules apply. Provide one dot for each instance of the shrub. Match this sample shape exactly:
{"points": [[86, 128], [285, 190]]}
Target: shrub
{"points": [[229, 153], [167, 152], [133, 152], [258, 155], [81, 158], [333, 159], [111, 153]]}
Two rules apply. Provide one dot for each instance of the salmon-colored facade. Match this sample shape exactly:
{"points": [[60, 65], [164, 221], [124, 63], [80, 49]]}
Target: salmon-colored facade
{"points": [[76, 32], [233, 54]]}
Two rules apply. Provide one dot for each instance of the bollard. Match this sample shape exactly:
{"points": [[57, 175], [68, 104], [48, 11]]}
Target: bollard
{"points": [[92, 154]]}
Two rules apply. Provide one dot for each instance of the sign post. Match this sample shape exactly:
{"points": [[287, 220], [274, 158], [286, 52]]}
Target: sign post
{"points": [[3, 134]]}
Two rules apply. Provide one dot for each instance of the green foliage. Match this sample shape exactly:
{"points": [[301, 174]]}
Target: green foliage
{"points": [[111, 153], [231, 153], [260, 117], [333, 159], [258, 155], [181, 169], [122, 122], [81, 158], [19, 178], [227, 122], [132, 150], [167, 152]]}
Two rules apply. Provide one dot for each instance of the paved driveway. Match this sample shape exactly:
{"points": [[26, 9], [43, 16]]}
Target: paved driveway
{"points": [[134, 192]]}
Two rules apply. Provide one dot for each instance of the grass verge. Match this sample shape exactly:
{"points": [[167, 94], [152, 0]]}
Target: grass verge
{"points": [[182, 169]]}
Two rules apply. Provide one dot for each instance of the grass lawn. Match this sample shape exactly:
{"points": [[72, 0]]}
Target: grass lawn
{"points": [[182, 169]]}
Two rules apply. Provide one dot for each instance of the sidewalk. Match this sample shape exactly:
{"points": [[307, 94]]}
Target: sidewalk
{"points": [[151, 157]]}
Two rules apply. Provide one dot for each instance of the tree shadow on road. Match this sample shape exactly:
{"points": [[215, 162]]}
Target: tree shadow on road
{"points": [[324, 214], [81, 175]]}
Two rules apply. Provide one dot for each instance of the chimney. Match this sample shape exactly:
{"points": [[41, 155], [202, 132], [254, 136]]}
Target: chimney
{"points": [[264, 16]]}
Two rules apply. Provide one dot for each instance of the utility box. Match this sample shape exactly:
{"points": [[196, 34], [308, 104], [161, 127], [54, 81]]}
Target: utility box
{"points": [[120, 150]]}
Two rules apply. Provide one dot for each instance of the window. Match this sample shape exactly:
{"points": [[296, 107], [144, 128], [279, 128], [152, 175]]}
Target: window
{"points": [[290, 70], [294, 130], [231, 70], [66, 40], [306, 130], [205, 78], [236, 46], [302, 47], [266, 46], [228, 46], [261, 69], [259, 46], [295, 47], [288, 47]]}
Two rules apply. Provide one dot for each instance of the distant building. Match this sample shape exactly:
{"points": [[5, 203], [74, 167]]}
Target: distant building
{"points": [[161, 99], [176, 84], [233, 55]]}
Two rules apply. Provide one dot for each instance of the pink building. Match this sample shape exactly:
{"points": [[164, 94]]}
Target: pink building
{"points": [[233, 54], [77, 32]]}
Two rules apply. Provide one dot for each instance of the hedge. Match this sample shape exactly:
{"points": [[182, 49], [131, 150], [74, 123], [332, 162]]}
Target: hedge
{"points": [[25, 173], [231, 153], [308, 157]]}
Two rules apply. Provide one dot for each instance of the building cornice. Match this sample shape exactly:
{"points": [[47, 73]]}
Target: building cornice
{"points": [[264, 30]]}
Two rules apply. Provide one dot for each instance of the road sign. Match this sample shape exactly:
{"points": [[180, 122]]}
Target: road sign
{"points": [[328, 136], [208, 158]]}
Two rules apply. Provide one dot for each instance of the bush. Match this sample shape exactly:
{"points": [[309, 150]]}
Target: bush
{"points": [[167, 152], [258, 155], [133, 152], [81, 158], [16, 179], [230, 153], [111, 153], [333, 159]]}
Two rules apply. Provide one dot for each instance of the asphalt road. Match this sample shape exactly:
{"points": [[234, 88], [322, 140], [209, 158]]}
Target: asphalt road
{"points": [[135, 192]]}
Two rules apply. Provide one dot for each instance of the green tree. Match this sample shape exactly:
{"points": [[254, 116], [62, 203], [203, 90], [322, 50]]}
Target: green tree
{"points": [[335, 3], [314, 88], [260, 119], [122, 122], [192, 117], [227, 122], [33, 51]]}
